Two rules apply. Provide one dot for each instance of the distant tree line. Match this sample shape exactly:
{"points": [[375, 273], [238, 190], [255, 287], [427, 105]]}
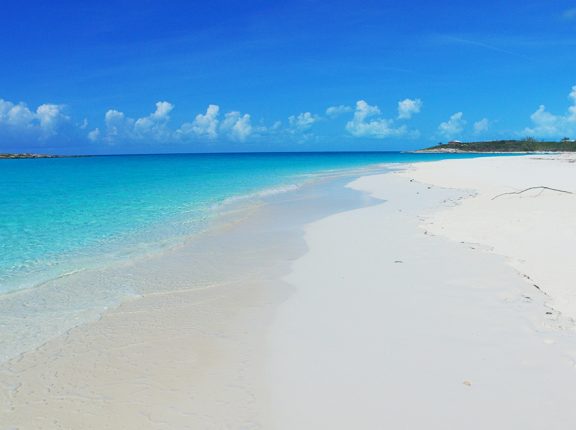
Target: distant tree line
{"points": [[528, 144]]}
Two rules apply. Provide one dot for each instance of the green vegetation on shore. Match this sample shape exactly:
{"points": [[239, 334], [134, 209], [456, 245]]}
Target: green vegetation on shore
{"points": [[524, 145]]}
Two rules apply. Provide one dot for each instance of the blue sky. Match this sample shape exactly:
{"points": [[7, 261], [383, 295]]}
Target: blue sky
{"points": [[186, 76]]}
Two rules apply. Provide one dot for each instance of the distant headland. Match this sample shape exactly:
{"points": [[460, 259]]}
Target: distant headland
{"points": [[29, 155], [497, 146]]}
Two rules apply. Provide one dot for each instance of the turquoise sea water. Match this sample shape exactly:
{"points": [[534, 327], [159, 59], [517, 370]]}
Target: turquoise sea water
{"points": [[61, 215]]}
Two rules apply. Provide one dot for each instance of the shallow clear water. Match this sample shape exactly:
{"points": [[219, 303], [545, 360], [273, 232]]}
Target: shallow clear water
{"points": [[62, 215]]}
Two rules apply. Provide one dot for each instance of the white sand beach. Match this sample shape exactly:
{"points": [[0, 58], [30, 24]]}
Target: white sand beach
{"points": [[535, 230], [430, 305], [421, 312]]}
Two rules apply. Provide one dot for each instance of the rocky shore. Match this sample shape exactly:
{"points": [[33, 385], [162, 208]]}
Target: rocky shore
{"points": [[28, 155]]}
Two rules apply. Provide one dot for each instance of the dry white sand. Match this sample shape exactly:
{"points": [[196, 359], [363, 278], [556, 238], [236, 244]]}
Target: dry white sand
{"points": [[392, 327], [535, 230]]}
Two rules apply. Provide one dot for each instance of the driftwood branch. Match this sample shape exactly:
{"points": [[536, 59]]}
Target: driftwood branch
{"points": [[532, 188]]}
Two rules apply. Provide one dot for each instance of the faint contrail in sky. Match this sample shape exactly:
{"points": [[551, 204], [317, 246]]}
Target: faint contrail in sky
{"points": [[486, 46]]}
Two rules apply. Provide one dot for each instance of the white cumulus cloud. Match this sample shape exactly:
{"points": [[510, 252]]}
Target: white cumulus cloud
{"points": [[117, 123], [50, 117], [546, 124], [236, 126], [481, 126], [334, 111], [408, 107], [18, 118], [119, 127], [94, 135], [302, 121], [155, 122], [454, 126], [15, 115], [207, 124], [366, 123]]}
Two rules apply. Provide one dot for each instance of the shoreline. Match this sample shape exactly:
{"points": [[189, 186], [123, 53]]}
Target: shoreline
{"points": [[39, 304], [187, 348], [105, 285], [346, 304]]}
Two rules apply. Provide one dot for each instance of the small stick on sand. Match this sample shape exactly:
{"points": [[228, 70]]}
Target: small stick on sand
{"points": [[532, 188]]}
